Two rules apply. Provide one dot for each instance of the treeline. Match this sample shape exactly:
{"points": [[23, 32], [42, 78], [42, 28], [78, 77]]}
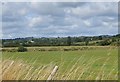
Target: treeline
{"points": [[103, 40]]}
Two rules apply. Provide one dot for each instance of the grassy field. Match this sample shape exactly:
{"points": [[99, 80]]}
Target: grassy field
{"points": [[93, 64]]}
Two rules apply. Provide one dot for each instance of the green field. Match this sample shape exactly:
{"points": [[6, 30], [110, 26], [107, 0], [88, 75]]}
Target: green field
{"points": [[89, 64]]}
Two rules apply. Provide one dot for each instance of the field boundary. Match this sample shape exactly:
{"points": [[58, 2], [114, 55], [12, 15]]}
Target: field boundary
{"points": [[58, 48]]}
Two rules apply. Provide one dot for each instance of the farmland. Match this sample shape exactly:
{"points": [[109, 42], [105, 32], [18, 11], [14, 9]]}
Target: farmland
{"points": [[76, 63], [56, 40]]}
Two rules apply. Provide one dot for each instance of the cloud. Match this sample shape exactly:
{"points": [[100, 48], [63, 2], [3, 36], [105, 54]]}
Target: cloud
{"points": [[94, 9], [59, 19], [35, 21]]}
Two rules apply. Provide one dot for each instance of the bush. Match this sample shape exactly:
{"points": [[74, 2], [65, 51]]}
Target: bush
{"points": [[21, 49], [104, 43]]}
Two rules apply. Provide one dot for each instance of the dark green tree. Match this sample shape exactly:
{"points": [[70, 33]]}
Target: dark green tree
{"points": [[86, 42], [105, 43], [22, 49], [69, 41]]}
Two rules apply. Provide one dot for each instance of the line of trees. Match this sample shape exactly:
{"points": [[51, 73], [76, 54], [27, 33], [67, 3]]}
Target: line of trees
{"points": [[63, 41]]}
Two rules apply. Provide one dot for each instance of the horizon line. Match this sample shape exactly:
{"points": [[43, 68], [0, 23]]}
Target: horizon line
{"points": [[63, 36]]}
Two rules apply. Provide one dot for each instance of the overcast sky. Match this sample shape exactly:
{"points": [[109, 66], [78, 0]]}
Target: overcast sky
{"points": [[53, 19]]}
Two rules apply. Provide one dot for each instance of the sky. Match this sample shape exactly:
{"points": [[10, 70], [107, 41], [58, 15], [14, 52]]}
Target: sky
{"points": [[53, 19]]}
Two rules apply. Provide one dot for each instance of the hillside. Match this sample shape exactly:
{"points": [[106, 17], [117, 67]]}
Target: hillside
{"points": [[103, 40]]}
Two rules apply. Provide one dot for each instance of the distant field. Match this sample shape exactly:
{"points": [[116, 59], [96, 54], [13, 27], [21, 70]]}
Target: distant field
{"points": [[88, 64]]}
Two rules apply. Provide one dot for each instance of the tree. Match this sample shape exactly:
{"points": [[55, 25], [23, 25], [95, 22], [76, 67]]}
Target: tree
{"points": [[21, 49], [86, 42], [105, 43], [69, 41], [100, 37]]}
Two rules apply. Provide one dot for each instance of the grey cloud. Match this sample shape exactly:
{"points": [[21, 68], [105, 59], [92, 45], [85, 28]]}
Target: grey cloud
{"points": [[71, 4], [58, 19], [46, 8], [95, 9]]}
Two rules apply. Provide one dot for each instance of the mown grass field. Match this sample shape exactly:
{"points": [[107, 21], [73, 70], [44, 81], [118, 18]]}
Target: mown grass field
{"points": [[89, 64]]}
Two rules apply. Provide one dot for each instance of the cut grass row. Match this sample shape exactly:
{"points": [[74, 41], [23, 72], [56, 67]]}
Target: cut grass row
{"points": [[58, 48]]}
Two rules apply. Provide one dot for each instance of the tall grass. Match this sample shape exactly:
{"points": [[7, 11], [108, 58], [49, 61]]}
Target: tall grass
{"points": [[73, 65], [17, 70]]}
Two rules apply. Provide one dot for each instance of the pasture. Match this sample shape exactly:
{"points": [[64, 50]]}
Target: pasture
{"points": [[87, 64]]}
